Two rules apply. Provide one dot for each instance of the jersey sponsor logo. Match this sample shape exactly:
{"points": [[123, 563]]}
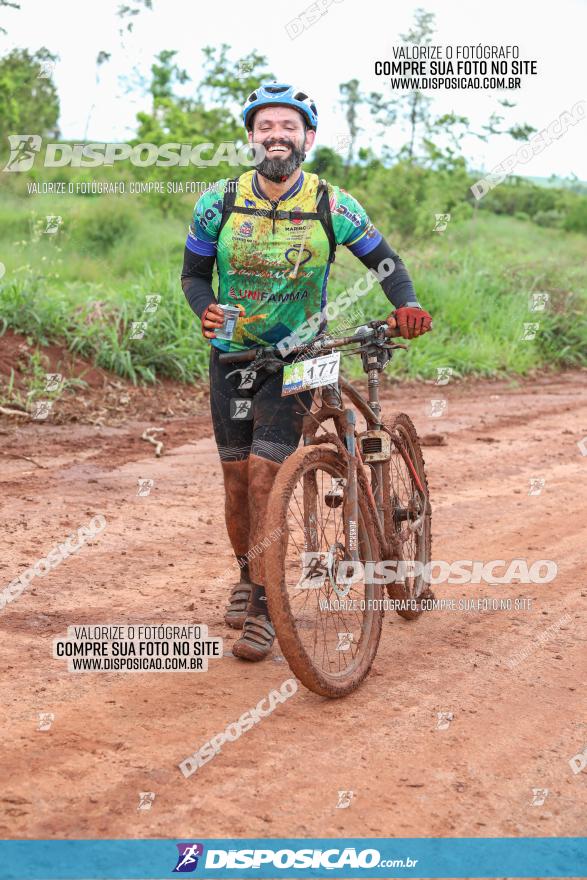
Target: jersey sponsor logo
{"points": [[266, 296], [267, 273], [249, 203], [350, 215], [245, 229], [296, 220], [297, 231], [291, 255], [204, 217]]}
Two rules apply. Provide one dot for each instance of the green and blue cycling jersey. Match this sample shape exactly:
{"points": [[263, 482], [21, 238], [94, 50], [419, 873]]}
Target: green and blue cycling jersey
{"points": [[277, 269]]}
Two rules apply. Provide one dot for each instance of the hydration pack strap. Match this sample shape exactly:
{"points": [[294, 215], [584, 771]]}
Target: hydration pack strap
{"points": [[322, 212]]}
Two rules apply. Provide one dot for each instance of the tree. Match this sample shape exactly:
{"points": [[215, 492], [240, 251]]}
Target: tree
{"points": [[28, 97], [413, 106], [12, 6], [351, 101], [210, 114], [417, 104]]}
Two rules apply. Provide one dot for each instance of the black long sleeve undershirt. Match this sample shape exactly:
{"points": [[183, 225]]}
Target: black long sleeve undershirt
{"points": [[196, 278], [196, 281], [397, 287]]}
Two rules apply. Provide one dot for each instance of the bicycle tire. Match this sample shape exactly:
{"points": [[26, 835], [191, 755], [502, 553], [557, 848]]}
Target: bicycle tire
{"points": [[300, 463], [403, 428]]}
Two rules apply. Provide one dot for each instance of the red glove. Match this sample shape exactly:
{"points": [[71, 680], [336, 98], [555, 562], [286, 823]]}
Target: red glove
{"points": [[412, 321]]}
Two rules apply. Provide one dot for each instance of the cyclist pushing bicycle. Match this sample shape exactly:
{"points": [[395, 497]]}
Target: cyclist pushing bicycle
{"points": [[273, 234]]}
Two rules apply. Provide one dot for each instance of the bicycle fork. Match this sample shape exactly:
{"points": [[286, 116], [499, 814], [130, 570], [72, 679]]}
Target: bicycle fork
{"points": [[351, 527]]}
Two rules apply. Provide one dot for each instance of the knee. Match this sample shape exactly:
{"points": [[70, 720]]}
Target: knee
{"points": [[262, 472], [236, 475]]}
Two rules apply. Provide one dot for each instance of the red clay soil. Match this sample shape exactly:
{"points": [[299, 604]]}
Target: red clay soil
{"points": [[115, 735]]}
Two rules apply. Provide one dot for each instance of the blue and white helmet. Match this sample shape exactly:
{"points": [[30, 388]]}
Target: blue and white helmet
{"points": [[281, 94]]}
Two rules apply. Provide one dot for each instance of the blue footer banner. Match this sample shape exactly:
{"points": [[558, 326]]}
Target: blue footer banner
{"points": [[283, 857]]}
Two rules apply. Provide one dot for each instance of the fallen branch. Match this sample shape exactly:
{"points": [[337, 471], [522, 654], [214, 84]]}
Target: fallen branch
{"points": [[25, 458], [14, 412], [147, 435]]}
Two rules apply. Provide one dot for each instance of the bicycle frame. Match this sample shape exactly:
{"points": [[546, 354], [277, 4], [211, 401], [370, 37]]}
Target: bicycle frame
{"points": [[375, 353], [377, 489]]}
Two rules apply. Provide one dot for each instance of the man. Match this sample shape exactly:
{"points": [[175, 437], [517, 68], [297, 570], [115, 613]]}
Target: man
{"points": [[273, 238]]}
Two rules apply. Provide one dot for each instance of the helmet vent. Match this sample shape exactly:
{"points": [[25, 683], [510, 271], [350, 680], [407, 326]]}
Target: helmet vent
{"points": [[300, 97], [252, 97], [275, 90]]}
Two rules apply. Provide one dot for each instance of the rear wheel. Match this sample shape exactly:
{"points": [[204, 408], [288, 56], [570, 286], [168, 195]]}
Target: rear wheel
{"points": [[408, 517], [327, 627]]}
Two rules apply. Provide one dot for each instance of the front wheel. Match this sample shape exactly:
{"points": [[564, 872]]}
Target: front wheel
{"points": [[326, 612]]}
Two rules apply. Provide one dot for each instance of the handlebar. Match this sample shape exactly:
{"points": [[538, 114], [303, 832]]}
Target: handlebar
{"points": [[325, 344]]}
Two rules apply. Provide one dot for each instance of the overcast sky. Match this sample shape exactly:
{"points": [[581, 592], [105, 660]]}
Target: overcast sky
{"points": [[343, 44]]}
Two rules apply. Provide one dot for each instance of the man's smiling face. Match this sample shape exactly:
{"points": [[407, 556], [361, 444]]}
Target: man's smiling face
{"points": [[283, 134]]}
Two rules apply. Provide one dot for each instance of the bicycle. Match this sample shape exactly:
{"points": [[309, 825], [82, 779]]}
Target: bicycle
{"points": [[328, 621]]}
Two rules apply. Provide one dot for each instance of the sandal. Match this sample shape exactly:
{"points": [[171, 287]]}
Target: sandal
{"points": [[257, 638], [236, 610]]}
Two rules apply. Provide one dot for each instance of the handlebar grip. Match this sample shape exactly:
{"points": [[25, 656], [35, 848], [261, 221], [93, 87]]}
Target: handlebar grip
{"points": [[237, 357]]}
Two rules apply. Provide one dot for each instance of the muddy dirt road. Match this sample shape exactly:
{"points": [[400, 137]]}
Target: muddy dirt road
{"points": [[115, 735]]}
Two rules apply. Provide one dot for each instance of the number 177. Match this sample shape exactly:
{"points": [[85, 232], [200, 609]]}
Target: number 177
{"points": [[321, 369]]}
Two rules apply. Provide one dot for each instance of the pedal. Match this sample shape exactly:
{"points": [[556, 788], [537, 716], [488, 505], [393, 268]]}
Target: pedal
{"points": [[375, 446], [335, 495]]}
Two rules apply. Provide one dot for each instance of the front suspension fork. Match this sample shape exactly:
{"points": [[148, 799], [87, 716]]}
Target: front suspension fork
{"points": [[351, 525]]}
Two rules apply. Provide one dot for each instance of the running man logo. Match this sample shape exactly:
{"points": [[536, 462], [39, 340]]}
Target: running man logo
{"points": [[530, 330], [41, 409], [539, 301], [53, 223], [46, 719], [443, 375], [443, 720], [23, 151], [317, 566], [137, 329], [345, 640], [539, 795], [53, 381], [241, 408], [438, 407], [537, 484], [442, 221], [246, 376], [187, 860], [152, 302], [146, 799], [344, 799]]}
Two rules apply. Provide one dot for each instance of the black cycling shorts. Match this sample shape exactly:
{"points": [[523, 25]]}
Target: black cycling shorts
{"points": [[249, 415]]}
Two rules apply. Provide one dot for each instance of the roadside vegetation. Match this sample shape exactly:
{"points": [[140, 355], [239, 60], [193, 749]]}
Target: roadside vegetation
{"points": [[85, 285]]}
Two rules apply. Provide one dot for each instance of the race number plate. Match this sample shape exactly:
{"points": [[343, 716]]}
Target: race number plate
{"points": [[312, 373]]}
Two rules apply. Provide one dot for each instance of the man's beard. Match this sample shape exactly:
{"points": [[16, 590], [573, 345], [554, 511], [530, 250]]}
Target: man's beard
{"points": [[278, 170]]}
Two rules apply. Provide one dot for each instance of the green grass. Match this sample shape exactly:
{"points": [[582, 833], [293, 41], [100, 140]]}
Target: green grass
{"points": [[86, 285]]}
